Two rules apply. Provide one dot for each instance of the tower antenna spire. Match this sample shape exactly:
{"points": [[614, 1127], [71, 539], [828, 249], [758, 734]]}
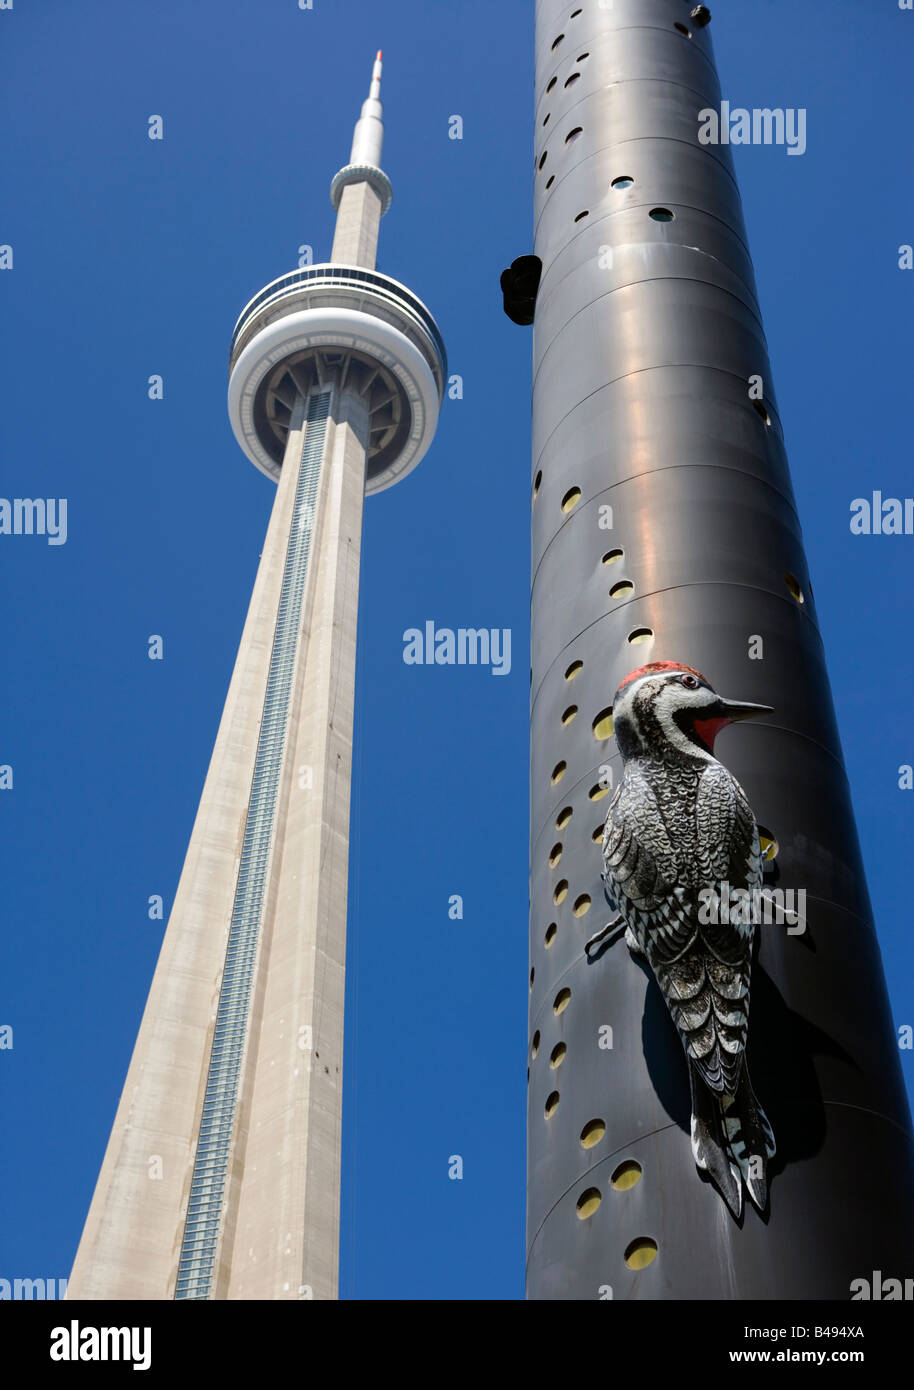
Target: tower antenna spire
{"points": [[361, 191], [374, 92]]}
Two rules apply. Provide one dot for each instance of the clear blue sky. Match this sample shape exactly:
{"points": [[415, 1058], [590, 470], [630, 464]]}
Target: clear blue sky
{"points": [[134, 257]]}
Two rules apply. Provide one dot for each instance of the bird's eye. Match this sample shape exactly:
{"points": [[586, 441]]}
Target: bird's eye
{"points": [[690, 682]]}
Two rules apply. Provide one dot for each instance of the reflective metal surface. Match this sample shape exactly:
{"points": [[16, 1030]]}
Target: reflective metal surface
{"points": [[646, 442]]}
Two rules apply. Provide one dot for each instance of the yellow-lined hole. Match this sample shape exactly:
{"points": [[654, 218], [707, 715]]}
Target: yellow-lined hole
{"points": [[573, 670], [571, 499], [603, 724], [768, 844], [582, 905], [558, 772], [588, 1202], [555, 855], [569, 714], [641, 1253], [622, 589], [561, 891], [592, 1133], [563, 817], [626, 1175], [550, 934], [561, 1001], [552, 1103], [597, 793], [557, 1056], [612, 556], [793, 585]]}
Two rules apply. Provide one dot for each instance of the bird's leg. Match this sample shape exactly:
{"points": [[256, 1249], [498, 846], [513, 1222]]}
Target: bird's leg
{"points": [[794, 919], [617, 925]]}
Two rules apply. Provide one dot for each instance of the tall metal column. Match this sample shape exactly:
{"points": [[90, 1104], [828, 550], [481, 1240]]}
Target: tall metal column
{"points": [[664, 528]]}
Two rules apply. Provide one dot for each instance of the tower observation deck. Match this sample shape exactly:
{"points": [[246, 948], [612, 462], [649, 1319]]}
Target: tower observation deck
{"points": [[221, 1177]]}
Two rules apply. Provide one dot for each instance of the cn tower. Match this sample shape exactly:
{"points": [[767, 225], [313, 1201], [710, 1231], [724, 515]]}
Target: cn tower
{"points": [[221, 1178]]}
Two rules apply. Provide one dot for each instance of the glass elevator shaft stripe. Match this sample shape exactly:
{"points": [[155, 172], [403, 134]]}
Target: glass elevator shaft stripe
{"points": [[207, 1188]]}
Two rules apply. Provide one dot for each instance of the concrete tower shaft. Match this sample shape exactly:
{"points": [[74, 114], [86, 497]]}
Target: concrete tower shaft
{"points": [[221, 1177], [664, 527]]}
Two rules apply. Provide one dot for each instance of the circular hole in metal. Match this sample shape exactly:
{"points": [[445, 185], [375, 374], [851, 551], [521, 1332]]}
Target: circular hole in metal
{"points": [[561, 1001], [767, 844], [612, 556], [557, 1056], [581, 56], [555, 855], [551, 83], [759, 407], [550, 181], [622, 589], [661, 214], [573, 670], [597, 793], [536, 482], [603, 724], [623, 181], [546, 118], [640, 1253], [544, 156], [597, 835], [592, 1133], [626, 1175], [683, 30], [535, 1044], [552, 1104], [793, 584], [569, 714], [561, 892], [532, 973], [563, 817], [556, 42], [572, 79], [550, 934], [581, 215], [573, 134], [582, 905], [571, 499], [558, 772], [588, 1202], [640, 634]]}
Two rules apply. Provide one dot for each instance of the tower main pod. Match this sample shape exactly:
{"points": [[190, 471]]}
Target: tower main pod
{"points": [[664, 528], [221, 1177]]}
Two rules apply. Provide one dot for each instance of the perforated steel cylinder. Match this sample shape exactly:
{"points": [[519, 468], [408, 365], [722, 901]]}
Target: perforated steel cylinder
{"points": [[664, 528]]}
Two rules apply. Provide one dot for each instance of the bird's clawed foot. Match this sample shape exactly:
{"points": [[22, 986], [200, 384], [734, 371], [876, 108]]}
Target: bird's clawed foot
{"points": [[617, 925]]}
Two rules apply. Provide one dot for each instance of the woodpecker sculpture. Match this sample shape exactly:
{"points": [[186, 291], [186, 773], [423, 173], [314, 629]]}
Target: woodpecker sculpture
{"points": [[679, 834]]}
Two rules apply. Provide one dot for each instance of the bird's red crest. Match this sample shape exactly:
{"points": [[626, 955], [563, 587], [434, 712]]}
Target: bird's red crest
{"points": [[655, 666]]}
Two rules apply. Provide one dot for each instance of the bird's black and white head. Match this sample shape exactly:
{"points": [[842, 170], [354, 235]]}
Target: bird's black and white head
{"points": [[667, 706]]}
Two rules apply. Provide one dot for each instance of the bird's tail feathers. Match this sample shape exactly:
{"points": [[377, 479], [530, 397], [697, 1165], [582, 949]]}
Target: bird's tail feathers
{"points": [[749, 1138], [732, 1141], [709, 1145]]}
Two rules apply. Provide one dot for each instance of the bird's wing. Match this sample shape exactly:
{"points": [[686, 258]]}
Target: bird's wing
{"points": [[727, 841], [641, 871], [727, 849]]}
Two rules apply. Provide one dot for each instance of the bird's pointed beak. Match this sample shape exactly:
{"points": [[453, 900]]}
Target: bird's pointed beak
{"points": [[734, 710]]}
